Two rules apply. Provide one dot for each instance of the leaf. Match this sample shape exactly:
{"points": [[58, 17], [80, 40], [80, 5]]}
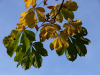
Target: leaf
{"points": [[59, 46], [40, 15], [56, 26], [40, 9], [61, 52], [71, 52], [25, 41], [83, 40], [84, 31], [53, 44], [19, 57], [52, 13], [29, 2], [30, 19], [67, 14], [27, 61], [81, 48], [76, 23], [70, 5], [11, 48], [40, 50], [54, 35], [59, 17], [64, 42], [50, 7], [30, 35], [36, 59], [65, 24], [39, 44]]}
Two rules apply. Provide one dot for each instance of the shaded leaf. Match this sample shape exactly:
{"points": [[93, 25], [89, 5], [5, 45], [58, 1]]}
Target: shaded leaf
{"points": [[71, 52], [61, 52], [30, 35], [40, 50], [36, 59], [40, 9], [80, 47], [67, 14]]}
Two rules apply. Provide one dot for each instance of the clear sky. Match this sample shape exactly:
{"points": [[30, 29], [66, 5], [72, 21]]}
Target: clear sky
{"points": [[88, 12]]}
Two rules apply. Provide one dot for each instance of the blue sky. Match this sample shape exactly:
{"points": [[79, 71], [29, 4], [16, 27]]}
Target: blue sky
{"points": [[88, 12]]}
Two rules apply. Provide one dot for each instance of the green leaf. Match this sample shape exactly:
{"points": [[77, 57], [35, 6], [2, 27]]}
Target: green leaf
{"points": [[27, 61], [83, 40], [84, 31], [19, 57], [67, 14], [61, 52], [71, 52], [39, 44], [11, 48], [25, 41], [80, 47], [30, 35], [39, 48], [36, 59]]}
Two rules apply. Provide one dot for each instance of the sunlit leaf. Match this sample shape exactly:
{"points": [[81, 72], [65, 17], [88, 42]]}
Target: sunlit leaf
{"points": [[59, 17], [25, 41], [11, 48], [40, 15]]}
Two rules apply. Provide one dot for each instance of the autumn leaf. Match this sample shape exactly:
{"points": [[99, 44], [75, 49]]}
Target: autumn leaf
{"points": [[40, 15], [29, 2]]}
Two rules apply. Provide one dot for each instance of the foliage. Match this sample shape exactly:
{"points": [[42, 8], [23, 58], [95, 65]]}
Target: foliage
{"points": [[70, 40]]}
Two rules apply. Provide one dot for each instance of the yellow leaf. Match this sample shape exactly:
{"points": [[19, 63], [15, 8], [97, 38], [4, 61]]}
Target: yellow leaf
{"points": [[42, 39], [78, 29], [65, 24], [40, 9], [40, 15], [70, 5], [29, 2], [64, 42], [59, 17], [60, 46], [54, 35], [53, 44], [50, 29], [56, 6], [52, 13], [22, 21], [69, 30], [30, 19], [56, 26], [43, 28], [76, 23]]}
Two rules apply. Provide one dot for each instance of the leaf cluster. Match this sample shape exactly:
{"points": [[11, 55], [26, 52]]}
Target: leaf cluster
{"points": [[70, 40]]}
